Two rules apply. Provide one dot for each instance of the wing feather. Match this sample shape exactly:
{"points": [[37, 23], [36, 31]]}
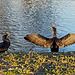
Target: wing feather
{"points": [[39, 40], [69, 39]]}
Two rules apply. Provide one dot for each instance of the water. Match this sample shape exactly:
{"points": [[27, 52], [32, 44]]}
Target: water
{"points": [[22, 17]]}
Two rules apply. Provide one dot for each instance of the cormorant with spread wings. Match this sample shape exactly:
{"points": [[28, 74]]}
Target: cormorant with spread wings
{"points": [[54, 42]]}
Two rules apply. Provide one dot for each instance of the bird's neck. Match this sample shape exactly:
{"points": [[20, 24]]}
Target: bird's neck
{"points": [[54, 34], [6, 40]]}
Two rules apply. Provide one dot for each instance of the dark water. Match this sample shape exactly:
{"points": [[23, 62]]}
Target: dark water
{"points": [[22, 17]]}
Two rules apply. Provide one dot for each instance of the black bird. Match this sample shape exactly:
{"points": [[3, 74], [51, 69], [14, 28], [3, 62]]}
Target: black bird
{"points": [[54, 42], [5, 44]]}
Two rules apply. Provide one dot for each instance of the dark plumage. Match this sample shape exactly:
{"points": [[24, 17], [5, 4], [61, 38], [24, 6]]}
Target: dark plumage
{"points": [[54, 42], [5, 44]]}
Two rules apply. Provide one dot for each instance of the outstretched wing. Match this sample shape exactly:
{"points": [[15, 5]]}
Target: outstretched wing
{"points": [[69, 39], [39, 40]]}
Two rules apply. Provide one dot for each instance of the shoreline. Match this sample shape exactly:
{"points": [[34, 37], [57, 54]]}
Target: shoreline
{"points": [[31, 63]]}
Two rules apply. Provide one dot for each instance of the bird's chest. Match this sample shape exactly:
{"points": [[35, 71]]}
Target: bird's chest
{"points": [[6, 44], [54, 45]]}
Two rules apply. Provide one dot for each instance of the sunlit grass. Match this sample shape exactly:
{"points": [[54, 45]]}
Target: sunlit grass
{"points": [[37, 63]]}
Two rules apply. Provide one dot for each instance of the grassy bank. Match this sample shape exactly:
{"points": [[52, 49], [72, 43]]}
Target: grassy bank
{"points": [[37, 63]]}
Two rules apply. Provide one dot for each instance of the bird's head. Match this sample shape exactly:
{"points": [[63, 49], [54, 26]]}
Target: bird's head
{"points": [[5, 37], [53, 28]]}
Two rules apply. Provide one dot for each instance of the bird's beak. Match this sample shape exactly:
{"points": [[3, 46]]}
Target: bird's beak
{"points": [[9, 34], [50, 27]]}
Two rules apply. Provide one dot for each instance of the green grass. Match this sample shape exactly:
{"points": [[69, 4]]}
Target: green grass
{"points": [[37, 63]]}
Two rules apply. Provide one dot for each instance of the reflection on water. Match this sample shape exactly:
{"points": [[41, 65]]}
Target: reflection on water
{"points": [[22, 17]]}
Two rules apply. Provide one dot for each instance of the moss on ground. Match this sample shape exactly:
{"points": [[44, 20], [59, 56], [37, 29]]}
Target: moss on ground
{"points": [[37, 63]]}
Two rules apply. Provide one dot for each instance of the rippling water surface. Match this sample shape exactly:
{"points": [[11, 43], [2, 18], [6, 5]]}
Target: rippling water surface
{"points": [[22, 17]]}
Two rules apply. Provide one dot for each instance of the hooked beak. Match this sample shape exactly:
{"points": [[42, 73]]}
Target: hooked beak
{"points": [[9, 34], [51, 27]]}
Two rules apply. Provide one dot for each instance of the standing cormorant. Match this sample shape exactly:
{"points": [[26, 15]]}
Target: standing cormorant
{"points": [[54, 42], [5, 44]]}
